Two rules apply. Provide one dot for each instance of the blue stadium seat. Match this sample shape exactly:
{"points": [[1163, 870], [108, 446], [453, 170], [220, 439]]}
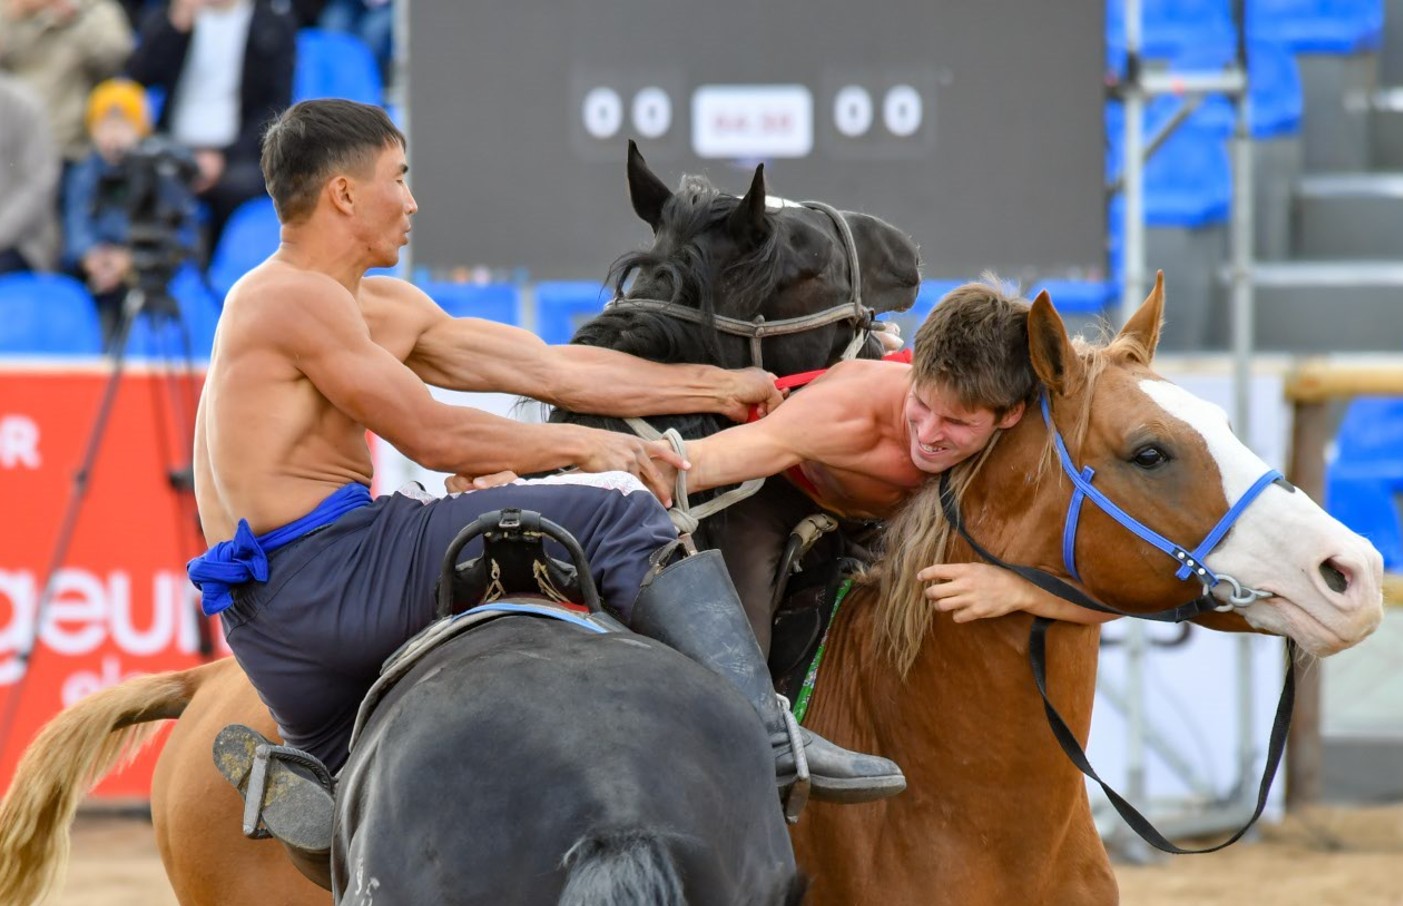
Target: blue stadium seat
{"points": [[1169, 27], [563, 305], [1318, 26], [333, 64], [251, 234], [159, 338], [1079, 297], [47, 314], [1274, 81], [1188, 180], [1364, 479], [500, 302]]}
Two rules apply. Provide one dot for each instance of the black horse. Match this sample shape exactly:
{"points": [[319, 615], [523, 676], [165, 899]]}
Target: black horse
{"points": [[750, 281], [528, 761], [747, 281], [531, 762]]}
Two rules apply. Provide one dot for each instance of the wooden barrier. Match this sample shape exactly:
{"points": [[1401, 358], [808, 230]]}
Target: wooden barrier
{"points": [[1311, 388]]}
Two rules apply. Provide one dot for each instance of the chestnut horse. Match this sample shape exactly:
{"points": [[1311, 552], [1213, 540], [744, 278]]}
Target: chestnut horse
{"points": [[743, 257], [994, 812]]}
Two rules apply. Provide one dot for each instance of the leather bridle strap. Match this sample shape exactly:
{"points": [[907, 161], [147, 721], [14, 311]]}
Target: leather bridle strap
{"points": [[1058, 587], [758, 329], [1276, 745]]}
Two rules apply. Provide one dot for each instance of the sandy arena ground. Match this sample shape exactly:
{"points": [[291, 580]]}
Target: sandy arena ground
{"points": [[1331, 857]]}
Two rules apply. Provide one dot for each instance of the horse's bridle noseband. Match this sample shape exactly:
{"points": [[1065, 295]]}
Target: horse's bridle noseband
{"points": [[758, 328], [1191, 565]]}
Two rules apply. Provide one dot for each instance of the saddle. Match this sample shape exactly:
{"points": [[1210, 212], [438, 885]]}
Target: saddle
{"points": [[513, 560]]}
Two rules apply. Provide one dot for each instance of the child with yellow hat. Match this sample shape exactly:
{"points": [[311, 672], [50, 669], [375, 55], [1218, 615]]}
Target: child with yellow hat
{"points": [[96, 234]]}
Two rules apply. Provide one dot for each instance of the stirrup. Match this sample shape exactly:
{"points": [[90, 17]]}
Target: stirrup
{"points": [[797, 795], [257, 790]]}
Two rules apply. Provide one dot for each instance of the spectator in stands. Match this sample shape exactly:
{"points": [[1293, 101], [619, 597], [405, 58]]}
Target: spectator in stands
{"points": [[370, 20], [226, 66], [61, 49], [28, 180], [96, 232], [307, 12]]}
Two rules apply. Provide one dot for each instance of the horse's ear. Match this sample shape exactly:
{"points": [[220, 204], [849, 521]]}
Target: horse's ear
{"points": [[747, 221], [645, 190], [1055, 362], [1143, 326]]}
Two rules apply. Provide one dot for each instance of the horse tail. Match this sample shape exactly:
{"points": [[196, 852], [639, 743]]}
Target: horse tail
{"points": [[70, 755], [622, 868]]}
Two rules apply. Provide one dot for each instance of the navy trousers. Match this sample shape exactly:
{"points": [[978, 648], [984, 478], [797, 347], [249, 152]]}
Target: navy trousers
{"points": [[339, 601]]}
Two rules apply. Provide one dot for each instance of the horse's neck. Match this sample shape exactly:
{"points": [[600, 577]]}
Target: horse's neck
{"points": [[993, 811], [968, 728]]}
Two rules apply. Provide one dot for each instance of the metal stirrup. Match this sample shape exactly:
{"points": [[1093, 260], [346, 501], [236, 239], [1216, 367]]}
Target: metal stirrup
{"points": [[258, 781]]}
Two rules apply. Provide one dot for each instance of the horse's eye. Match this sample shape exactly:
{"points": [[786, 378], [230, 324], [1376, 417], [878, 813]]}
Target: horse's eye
{"points": [[1150, 457]]}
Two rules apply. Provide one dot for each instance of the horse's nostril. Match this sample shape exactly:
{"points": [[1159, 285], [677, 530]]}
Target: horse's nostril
{"points": [[1334, 577]]}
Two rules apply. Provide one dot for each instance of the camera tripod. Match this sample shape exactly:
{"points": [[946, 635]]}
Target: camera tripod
{"points": [[148, 296]]}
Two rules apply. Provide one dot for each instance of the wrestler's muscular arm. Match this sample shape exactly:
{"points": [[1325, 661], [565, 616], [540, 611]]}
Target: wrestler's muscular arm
{"points": [[834, 422], [473, 354], [327, 339]]}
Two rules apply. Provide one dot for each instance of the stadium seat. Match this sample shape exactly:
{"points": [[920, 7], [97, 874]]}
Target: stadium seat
{"points": [[563, 305], [251, 235], [47, 314], [1081, 297], [332, 64], [154, 337], [1169, 27], [1364, 478], [1318, 26], [500, 302], [1188, 180], [1274, 81]]}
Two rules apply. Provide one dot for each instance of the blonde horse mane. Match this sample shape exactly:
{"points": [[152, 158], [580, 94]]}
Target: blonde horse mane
{"points": [[69, 756], [919, 535]]}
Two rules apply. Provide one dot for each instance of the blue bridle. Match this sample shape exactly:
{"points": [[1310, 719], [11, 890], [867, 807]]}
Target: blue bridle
{"points": [[1191, 565]]}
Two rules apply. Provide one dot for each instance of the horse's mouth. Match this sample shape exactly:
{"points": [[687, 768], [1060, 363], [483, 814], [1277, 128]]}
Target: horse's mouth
{"points": [[1305, 626]]}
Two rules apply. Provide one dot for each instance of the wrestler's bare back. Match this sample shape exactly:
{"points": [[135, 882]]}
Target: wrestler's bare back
{"points": [[268, 445]]}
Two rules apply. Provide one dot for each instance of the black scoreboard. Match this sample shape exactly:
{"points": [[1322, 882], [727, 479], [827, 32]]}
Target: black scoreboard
{"points": [[974, 125]]}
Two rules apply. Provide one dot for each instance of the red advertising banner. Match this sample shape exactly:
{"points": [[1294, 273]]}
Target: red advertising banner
{"points": [[121, 604]]}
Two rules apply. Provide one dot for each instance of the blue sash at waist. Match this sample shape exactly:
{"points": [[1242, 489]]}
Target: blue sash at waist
{"points": [[244, 558]]}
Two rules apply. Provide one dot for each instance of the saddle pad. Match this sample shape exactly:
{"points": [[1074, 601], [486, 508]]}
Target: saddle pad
{"points": [[440, 631], [801, 626]]}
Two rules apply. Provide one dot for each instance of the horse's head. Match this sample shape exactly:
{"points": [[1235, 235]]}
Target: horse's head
{"points": [[1206, 509], [719, 263]]}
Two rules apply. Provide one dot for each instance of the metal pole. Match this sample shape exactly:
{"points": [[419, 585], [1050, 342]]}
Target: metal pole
{"points": [[1133, 287], [400, 89], [1242, 337]]}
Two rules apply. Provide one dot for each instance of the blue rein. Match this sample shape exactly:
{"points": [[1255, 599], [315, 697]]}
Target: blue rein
{"points": [[1191, 563]]}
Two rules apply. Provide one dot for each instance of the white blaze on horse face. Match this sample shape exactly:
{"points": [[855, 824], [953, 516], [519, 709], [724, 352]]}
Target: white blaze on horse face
{"points": [[1283, 543]]}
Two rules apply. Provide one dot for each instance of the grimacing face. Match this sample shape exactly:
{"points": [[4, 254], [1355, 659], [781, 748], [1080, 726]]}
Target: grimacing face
{"points": [[943, 433]]}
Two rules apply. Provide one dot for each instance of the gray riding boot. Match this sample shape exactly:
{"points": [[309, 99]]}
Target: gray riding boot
{"points": [[692, 606], [288, 795]]}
